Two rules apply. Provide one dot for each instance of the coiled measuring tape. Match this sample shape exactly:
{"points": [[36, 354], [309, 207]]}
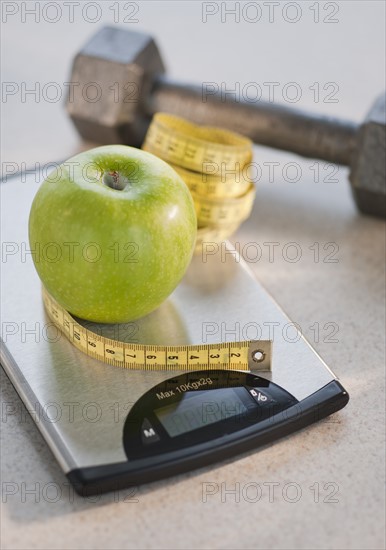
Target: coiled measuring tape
{"points": [[213, 163], [194, 147], [246, 355]]}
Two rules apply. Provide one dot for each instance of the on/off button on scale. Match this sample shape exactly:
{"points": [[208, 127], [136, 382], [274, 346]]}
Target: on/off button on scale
{"points": [[261, 397]]}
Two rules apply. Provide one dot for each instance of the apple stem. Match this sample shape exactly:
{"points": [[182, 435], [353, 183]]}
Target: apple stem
{"points": [[115, 180]]}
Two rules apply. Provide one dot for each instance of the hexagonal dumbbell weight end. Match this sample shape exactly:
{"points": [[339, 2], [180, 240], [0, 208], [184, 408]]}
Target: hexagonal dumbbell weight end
{"points": [[368, 174], [111, 79]]}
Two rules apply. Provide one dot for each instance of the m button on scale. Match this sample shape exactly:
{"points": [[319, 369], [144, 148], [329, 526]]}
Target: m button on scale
{"points": [[148, 433]]}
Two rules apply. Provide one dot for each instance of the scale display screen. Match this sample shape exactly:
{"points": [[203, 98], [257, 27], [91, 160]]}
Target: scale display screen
{"points": [[200, 409]]}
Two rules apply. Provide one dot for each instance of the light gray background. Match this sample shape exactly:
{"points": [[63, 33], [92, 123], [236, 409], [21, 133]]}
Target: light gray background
{"points": [[347, 449]]}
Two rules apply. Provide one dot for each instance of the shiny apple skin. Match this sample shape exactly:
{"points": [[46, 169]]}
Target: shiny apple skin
{"points": [[112, 255]]}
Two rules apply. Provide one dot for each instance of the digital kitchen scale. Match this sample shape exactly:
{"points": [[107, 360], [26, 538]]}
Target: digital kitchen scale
{"points": [[110, 427]]}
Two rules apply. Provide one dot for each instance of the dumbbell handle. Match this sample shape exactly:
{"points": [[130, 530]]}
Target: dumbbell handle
{"points": [[265, 123]]}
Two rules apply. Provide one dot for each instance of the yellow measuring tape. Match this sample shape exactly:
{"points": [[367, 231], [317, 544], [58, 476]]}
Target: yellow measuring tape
{"points": [[197, 148], [244, 355], [214, 165]]}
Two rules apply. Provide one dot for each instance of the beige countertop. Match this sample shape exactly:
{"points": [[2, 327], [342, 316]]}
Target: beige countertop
{"points": [[324, 486]]}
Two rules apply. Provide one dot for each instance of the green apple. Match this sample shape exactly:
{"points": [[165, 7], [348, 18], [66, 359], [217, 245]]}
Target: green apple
{"points": [[113, 231]]}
